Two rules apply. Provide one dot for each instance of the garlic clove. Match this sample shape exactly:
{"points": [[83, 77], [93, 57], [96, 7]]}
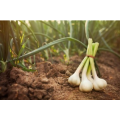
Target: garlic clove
{"points": [[74, 79], [90, 78], [101, 83], [95, 86], [86, 86], [105, 83]]}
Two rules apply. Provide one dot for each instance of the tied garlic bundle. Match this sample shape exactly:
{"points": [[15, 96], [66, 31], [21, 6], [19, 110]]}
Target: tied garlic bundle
{"points": [[89, 79]]}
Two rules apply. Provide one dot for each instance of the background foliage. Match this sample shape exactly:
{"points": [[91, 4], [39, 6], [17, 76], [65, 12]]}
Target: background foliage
{"points": [[19, 40]]}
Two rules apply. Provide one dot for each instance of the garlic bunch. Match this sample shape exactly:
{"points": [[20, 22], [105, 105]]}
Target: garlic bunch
{"points": [[74, 79], [87, 83]]}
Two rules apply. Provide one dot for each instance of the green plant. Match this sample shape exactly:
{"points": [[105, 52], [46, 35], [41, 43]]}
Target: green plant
{"points": [[19, 40]]}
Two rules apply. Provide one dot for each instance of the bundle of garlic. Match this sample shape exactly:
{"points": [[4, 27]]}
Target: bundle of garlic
{"points": [[88, 81]]}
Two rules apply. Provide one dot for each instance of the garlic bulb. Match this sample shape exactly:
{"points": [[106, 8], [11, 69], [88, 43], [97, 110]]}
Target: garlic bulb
{"points": [[86, 85], [74, 79], [95, 85], [98, 83]]}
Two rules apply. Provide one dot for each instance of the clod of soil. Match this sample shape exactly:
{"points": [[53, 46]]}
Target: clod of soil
{"points": [[50, 81]]}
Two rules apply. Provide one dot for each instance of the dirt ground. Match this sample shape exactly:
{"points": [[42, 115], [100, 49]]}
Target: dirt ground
{"points": [[50, 81]]}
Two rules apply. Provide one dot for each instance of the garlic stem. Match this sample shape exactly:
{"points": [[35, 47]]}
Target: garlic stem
{"points": [[89, 74], [94, 49], [78, 70], [85, 68], [93, 53], [93, 68]]}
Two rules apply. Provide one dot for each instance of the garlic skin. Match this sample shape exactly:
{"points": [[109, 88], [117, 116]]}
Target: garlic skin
{"points": [[98, 84], [86, 85], [74, 79], [95, 85]]}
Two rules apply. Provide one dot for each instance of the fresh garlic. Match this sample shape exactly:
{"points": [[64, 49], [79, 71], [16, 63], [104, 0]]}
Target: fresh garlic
{"points": [[74, 79], [86, 85], [101, 83], [95, 85], [98, 82]]}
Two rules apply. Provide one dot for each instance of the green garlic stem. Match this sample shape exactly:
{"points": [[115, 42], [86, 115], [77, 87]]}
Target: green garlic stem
{"points": [[93, 68], [89, 74], [89, 52], [85, 68], [91, 59], [78, 70], [94, 49], [95, 46], [89, 70], [90, 46]]}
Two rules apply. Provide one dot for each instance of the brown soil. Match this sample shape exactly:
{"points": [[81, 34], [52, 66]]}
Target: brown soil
{"points": [[50, 81]]}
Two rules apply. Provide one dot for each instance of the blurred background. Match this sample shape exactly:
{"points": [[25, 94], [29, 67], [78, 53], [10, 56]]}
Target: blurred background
{"points": [[54, 38]]}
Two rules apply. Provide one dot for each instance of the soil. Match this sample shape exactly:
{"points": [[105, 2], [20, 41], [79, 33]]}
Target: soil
{"points": [[50, 81]]}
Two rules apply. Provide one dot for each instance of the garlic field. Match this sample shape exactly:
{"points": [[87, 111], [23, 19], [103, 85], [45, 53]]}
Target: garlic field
{"points": [[59, 60]]}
